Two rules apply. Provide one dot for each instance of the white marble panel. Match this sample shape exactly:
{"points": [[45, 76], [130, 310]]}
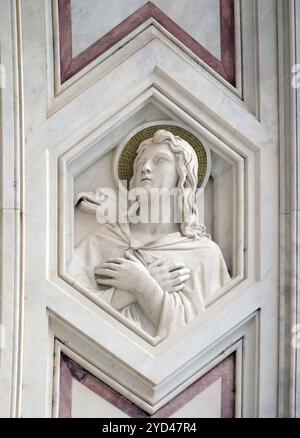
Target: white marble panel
{"points": [[221, 210], [206, 405], [91, 20], [98, 175], [87, 404]]}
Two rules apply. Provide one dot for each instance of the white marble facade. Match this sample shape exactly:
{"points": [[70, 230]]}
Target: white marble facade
{"points": [[59, 139]]}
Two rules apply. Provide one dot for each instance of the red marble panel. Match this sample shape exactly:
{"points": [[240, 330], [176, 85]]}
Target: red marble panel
{"points": [[224, 370], [69, 66]]}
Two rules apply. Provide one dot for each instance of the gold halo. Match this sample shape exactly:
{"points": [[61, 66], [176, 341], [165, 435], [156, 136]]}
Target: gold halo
{"points": [[128, 154]]}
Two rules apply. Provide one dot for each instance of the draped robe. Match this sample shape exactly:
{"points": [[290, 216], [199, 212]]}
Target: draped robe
{"points": [[203, 256]]}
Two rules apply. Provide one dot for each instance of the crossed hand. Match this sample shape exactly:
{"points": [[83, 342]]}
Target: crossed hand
{"points": [[129, 273]]}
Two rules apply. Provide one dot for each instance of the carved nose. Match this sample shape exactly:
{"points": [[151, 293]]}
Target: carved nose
{"points": [[145, 170]]}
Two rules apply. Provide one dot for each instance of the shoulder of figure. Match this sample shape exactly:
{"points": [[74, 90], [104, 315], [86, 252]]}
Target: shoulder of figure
{"points": [[94, 236], [209, 245]]}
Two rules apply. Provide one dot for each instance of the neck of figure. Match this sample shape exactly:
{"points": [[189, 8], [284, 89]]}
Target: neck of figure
{"points": [[155, 221]]}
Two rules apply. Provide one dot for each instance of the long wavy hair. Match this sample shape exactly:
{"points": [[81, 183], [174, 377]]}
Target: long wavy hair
{"points": [[187, 170]]}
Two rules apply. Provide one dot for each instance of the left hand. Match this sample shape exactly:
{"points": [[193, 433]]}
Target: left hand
{"points": [[171, 277], [127, 274]]}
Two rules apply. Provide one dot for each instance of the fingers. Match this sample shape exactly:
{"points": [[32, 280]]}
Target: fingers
{"points": [[105, 272], [180, 272], [108, 282], [182, 279], [176, 266], [177, 288], [109, 265], [178, 282]]}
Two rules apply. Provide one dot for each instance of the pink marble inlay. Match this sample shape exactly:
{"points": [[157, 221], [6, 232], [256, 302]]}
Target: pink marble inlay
{"points": [[225, 370], [69, 66]]}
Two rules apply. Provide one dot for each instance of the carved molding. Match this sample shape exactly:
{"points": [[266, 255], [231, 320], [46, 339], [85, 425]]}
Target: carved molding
{"points": [[69, 66], [224, 370], [82, 155], [11, 210], [289, 111], [148, 389]]}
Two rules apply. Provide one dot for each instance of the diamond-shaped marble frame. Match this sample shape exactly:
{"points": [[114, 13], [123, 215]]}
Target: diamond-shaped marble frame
{"points": [[83, 154]]}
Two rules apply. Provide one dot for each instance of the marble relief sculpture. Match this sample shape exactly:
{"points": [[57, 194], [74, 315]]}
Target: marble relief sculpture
{"points": [[157, 273]]}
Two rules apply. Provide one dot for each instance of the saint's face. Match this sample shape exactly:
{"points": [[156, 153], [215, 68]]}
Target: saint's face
{"points": [[157, 168]]}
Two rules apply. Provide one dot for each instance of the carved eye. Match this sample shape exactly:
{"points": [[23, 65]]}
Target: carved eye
{"points": [[161, 159]]}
